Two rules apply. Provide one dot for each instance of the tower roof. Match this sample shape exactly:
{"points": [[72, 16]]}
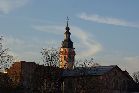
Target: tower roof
{"points": [[67, 27], [67, 43]]}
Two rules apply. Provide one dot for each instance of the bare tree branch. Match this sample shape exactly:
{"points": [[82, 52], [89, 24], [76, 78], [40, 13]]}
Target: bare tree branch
{"points": [[5, 59], [136, 76], [50, 57]]}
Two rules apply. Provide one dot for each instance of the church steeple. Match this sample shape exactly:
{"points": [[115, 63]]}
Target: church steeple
{"points": [[67, 27], [67, 43], [67, 53]]}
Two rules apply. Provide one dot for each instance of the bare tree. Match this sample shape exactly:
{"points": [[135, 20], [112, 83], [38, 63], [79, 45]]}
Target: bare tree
{"points": [[5, 59], [46, 77], [86, 63], [136, 77], [50, 57]]}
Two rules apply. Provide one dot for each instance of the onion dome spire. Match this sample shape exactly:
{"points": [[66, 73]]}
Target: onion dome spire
{"points": [[67, 43]]}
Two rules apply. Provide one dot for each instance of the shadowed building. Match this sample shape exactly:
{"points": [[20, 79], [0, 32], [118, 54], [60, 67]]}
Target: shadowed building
{"points": [[21, 73], [31, 77], [45, 79], [100, 79]]}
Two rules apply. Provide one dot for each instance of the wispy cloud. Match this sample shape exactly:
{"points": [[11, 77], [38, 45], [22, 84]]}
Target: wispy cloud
{"points": [[22, 49], [85, 41], [132, 63], [107, 20], [8, 5], [124, 60]]}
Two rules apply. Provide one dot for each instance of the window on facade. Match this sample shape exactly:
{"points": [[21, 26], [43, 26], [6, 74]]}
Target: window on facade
{"points": [[115, 73], [70, 57], [65, 50], [60, 58], [64, 57]]}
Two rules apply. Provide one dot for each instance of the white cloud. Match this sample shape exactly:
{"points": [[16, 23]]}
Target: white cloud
{"points": [[132, 63], [85, 41], [23, 50], [107, 20], [8, 5], [28, 50], [123, 60]]}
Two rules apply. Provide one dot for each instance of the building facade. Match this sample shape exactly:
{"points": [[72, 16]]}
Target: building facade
{"points": [[35, 78], [101, 79], [21, 73]]}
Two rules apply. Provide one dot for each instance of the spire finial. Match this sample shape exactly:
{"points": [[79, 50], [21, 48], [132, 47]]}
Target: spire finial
{"points": [[67, 21], [67, 27]]}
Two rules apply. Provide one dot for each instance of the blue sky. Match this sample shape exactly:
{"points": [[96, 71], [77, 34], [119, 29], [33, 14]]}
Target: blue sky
{"points": [[106, 30]]}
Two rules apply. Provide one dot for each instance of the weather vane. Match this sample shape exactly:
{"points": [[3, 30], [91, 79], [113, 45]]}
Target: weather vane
{"points": [[67, 18]]}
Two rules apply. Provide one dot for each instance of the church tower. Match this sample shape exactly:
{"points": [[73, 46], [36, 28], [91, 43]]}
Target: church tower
{"points": [[67, 53]]}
